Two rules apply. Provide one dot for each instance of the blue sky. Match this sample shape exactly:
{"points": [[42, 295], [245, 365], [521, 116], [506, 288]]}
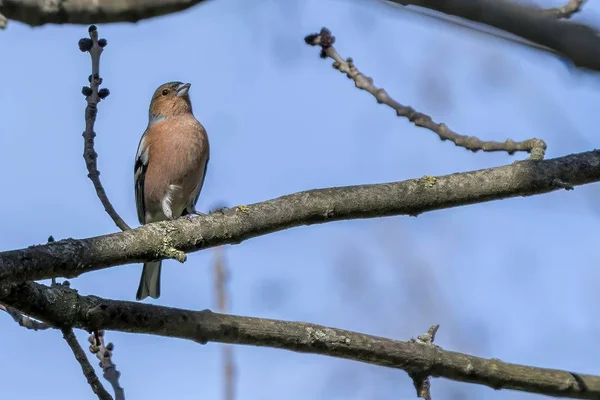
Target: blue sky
{"points": [[513, 279]]}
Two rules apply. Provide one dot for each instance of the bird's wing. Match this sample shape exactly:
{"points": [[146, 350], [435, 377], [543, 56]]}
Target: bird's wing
{"points": [[191, 206], [139, 176]]}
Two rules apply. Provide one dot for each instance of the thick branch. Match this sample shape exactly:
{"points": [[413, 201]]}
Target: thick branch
{"points": [[421, 379], [40, 12], [70, 257], [325, 40], [65, 306], [575, 41], [86, 367]]}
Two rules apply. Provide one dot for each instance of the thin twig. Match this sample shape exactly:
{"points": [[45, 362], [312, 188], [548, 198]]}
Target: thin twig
{"points": [[104, 354], [93, 96], [24, 320], [324, 39], [86, 367], [566, 11], [221, 278]]}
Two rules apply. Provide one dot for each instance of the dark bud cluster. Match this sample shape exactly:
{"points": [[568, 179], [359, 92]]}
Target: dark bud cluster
{"points": [[96, 77], [311, 39], [85, 44], [324, 39], [103, 93]]}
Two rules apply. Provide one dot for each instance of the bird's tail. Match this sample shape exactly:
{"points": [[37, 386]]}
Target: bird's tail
{"points": [[150, 281]]}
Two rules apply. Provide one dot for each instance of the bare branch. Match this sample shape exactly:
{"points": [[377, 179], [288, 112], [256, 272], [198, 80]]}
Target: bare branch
{"points": [[86, 367], [574, 41], [71, 258], [64, 305], [104, 354], [93, 95], [324, 39], [221, 278], [40, 12], [24, 320]]}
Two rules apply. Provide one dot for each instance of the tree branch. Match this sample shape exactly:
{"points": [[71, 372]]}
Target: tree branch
{"points": [[104, 354], [71, 258], [86, 367], [577, 42], [63, 305], [93, 96], [3, 21], [40, 12], [24, 320], [325, 40]]}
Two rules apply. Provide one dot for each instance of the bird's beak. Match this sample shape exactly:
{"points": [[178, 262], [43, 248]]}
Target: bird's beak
{"points": [[183, 89]]}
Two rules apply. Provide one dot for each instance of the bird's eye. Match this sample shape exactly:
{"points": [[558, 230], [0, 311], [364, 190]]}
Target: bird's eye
{"points": [[165, 92]]}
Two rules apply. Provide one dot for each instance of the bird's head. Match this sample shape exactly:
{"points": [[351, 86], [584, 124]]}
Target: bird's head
{"points": [[171, 99]]}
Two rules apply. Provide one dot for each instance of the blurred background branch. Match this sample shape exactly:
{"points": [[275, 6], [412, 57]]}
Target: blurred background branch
{"points": [[525, 24], [221, 275], [530, 25]]}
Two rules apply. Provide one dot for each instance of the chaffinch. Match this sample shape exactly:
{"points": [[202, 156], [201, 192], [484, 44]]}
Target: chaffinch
{"points": [[170, 167]]}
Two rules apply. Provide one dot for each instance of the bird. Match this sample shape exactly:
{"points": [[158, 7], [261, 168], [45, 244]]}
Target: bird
{"points": [[170, 167]]}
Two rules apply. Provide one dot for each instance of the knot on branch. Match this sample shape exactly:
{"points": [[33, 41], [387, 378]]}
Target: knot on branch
{"points": [[421, 379]]}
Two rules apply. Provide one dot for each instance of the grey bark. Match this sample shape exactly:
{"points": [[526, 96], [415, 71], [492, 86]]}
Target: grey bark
{"points": [[40, 12], [62, 306], [71, 257]]}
